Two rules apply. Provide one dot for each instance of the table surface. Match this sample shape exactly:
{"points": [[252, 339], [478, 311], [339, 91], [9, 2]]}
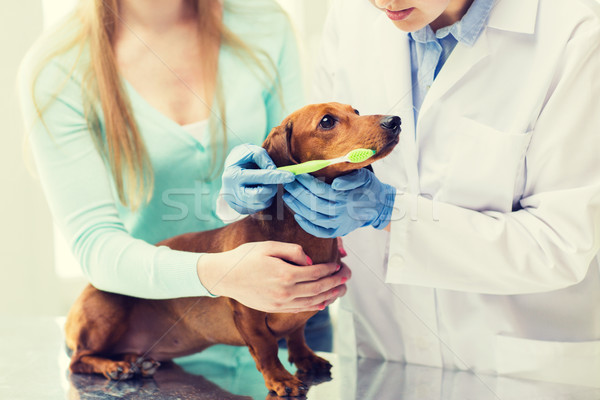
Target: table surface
{"points": [[33, 365]]}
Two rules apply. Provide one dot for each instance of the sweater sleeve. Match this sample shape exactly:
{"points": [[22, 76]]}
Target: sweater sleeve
{"points": [[79, 191]]}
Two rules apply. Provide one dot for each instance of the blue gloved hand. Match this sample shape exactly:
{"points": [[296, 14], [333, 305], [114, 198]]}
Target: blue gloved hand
{"points": [[250, 179], [350, 202]]}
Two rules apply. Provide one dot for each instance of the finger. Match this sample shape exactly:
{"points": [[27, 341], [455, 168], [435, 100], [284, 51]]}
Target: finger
{"points": [[319, 301], [343, 290], [312, 201], [251, 205], [314, 273], [341, 293], [287, 252], [315, 230], [266, 177], [353, 180], [344, 267], [241, 155], [241, 209], [258, 194], [341, 248], [310, 289], [321, 220], [319, 307], [347, 272], [255, 207], [317, 187], [262, 158]]}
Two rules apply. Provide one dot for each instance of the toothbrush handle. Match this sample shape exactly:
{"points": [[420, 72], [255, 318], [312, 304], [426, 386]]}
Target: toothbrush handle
{"points": [[306, 167]]}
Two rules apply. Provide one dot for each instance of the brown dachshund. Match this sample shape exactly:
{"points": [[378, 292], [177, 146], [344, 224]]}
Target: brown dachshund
{"points": [[109, 333]]}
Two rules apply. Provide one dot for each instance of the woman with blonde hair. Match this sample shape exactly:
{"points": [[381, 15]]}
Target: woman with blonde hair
{"points": [[132, 106]]}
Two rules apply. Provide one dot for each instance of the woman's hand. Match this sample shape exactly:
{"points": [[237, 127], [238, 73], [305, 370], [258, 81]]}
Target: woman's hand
{"points": [[341, 248], [273, 277], [250, 179]]}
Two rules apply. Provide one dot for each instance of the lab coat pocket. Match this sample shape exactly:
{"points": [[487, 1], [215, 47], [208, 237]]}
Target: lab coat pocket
{"points": [[487, 168], [573, 363]]}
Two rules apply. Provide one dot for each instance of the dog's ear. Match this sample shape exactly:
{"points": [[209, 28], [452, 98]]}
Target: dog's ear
{"points": [[279, 144]]}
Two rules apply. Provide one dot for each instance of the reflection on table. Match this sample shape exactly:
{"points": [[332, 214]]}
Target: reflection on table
{"points": [[34, 366]]}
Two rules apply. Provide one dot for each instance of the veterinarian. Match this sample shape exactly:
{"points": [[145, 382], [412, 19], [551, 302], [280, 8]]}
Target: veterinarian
{"points": [[136, 119], [490, 262]]}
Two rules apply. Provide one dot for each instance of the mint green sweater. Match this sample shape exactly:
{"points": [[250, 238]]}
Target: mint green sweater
{"points": [[115, 246]]}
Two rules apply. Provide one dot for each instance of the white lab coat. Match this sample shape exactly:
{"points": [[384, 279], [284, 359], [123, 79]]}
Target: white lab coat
{"points": [[492, 260]]}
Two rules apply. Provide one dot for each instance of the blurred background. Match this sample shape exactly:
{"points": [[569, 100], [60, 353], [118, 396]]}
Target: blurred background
{"points": [[38, 275]]}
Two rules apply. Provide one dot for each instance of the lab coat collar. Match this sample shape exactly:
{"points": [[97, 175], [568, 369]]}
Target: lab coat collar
{"points": [[504, 17], [464, 58], [466, 30], [460, 62]]}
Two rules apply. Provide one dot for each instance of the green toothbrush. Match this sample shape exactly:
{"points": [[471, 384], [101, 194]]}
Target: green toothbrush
{"points": [[355, 156]]}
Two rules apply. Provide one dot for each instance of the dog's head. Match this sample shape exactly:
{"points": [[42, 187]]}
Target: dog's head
{"points": [[331, 130]]}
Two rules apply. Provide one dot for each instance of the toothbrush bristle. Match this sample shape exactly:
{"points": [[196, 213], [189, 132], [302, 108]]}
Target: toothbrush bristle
{"points": [[360, 155]]}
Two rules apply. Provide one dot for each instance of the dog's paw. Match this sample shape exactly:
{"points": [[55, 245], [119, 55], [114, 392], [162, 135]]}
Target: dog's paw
{"points": [[144, 367], [119, 371], [148, 367], [313, 364], [291, 386]]}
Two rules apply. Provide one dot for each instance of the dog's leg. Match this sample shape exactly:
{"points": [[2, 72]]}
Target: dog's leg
{"points": [[92, 364], [301, 355], [252, 325], [95, 323], [92, 342], [146, 367], [126, 368]]}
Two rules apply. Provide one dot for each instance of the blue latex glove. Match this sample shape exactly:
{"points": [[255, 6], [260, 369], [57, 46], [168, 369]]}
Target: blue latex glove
{"points": [[350, 202], [250, 179]]}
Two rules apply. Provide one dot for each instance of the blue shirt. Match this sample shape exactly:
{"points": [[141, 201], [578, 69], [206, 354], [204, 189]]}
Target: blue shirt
{"points": [[429, 51]]}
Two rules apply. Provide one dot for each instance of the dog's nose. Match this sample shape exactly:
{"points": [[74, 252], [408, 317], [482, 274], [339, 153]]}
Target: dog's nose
{"points": [[391, 123]]}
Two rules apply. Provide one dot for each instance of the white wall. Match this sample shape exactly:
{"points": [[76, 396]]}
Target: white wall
{"points": [[308, 17], [28, 284], [38, 276]]}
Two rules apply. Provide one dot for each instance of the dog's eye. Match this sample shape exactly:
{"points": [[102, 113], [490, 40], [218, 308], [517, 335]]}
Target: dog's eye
{"points": [[327, 122], [356, 112]]}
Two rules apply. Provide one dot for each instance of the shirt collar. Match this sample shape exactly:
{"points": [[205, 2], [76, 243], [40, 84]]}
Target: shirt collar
{"points": [[467, 30]]}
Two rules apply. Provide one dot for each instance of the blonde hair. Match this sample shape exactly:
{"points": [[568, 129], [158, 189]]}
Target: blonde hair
{"points": [[92, 26]]}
